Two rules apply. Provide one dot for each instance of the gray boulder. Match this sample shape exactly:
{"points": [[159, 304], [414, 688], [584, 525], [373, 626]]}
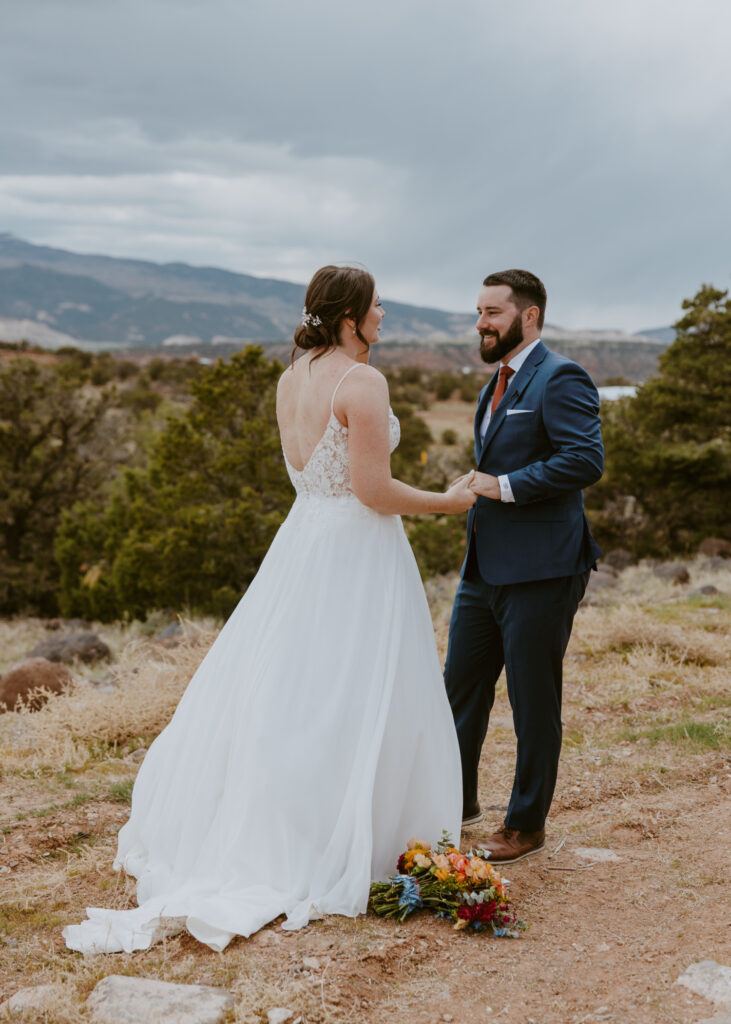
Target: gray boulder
{"points": [[118, 999], [674, 571], [619, 558], [72, 647]]}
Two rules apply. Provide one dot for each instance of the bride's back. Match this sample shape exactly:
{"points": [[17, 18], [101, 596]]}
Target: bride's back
{"points": [[304, 397]]}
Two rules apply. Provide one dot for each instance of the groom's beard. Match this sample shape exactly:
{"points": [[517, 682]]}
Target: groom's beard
{"points": [[494, 346]]}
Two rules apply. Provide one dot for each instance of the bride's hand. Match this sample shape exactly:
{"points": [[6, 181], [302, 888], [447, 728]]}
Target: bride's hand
{"points": [[460, 497]]}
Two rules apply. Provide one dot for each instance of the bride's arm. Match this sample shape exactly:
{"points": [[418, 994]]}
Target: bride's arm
{"points": [[365, 405]]}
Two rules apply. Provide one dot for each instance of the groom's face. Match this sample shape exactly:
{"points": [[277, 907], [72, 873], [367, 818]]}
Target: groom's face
{"points": [[499, 322]]}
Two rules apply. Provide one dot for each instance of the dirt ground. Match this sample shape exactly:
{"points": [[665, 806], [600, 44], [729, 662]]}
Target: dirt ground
{"points": [[644, 781]]}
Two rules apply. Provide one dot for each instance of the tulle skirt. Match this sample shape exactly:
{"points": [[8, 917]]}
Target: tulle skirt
{"points": [[312, 742]]}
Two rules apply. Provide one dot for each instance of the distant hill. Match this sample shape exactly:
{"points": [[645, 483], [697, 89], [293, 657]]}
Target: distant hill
{"points": [[52, 297], [135, 302]]}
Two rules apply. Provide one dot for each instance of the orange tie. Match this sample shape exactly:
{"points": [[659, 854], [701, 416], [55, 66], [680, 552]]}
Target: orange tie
{"points": [[502, 382]]}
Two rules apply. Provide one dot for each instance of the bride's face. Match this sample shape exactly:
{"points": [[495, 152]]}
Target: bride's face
{"points": [[370, 325]]}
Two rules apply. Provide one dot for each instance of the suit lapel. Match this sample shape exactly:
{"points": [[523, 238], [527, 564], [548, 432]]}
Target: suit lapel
{"points": [[485, 397], [516, 389]]}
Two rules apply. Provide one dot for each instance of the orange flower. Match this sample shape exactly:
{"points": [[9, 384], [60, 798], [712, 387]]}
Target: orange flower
{"points": [[459, 862]]}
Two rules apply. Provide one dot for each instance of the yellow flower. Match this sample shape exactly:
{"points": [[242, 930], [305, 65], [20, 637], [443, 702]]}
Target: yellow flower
{"points": [[442, 874]]}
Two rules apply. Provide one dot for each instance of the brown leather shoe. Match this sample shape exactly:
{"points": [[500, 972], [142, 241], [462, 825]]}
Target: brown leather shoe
{"points": [[508, 844]]}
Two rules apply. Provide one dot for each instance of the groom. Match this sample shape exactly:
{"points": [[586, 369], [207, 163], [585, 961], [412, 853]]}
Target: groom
{"points": [[529, 552]]}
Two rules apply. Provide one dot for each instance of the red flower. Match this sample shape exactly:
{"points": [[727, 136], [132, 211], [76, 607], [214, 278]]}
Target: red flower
{"points": [[480, 912], [401, 866]]}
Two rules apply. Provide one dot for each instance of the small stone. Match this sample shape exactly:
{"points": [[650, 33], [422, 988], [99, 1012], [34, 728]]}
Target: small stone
{"points": [[30, 1000], [119, 999], [447, 1016], [136, 755], [707, 591], [674, 571], [311, 963], [715, 547], [710, 979], [279, 1014], [597, 854]]}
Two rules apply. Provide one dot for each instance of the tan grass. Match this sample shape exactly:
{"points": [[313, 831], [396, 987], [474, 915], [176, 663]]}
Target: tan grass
{"points": [[88, 724]]}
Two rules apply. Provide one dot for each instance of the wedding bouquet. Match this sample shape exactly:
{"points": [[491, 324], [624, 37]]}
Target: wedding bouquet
{"points": [[463, 887]]}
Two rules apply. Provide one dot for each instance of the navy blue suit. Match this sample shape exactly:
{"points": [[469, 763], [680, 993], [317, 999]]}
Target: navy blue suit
{"points": [[525, 572]]}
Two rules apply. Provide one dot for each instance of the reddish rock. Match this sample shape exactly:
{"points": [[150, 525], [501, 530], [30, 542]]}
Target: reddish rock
{"points": [[715, 547], [30, 682]]}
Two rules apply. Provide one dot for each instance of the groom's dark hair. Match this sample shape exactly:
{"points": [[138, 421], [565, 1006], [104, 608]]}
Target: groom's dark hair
{"points": [[528, 290]]}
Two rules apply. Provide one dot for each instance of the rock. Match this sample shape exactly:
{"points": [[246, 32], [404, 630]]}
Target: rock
{"points": [[279, 1014], [27, 1002], [311, 963], [119, 999], [608, 570], [715, 563], [706, 591], [715, 547], [137, 755], [84, 646], [674, 571], [171, 636], [174, 629], [596, 853], [26, 681], [619, 558], [710, 979], [67, 624]]}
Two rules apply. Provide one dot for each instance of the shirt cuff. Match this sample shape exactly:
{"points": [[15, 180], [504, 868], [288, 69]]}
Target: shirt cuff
{"points": [[506, 491]]}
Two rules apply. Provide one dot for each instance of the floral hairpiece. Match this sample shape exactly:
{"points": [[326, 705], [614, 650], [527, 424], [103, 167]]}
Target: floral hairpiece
{"points": [[309, 320]]}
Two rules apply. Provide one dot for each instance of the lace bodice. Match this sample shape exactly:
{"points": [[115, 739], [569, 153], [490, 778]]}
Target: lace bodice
{"points": [[327, 472]]}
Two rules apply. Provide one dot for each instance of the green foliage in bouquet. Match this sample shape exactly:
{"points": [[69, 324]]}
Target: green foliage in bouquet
{"points": [[461, 887]]}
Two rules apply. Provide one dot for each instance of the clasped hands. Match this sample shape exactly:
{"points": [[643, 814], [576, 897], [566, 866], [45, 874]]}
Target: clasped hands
{"points": [[483, 484]]}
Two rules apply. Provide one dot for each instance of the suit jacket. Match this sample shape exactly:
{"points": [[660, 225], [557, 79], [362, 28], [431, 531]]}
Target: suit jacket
{"points": [[545, 435]]}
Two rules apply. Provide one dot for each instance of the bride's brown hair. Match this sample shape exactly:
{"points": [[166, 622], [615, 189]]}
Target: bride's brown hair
{"points": [[333, 294]]}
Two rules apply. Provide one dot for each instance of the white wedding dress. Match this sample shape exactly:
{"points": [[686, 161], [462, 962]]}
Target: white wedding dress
{"points": [[312, 742]]}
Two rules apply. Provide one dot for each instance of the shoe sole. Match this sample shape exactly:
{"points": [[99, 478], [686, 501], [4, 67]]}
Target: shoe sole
{"points": [[521, 856], [474, 819]]}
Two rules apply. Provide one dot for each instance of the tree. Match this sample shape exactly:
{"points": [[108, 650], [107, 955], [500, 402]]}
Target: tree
{"points": [[191, 528], [670, 446], [54, 429]]}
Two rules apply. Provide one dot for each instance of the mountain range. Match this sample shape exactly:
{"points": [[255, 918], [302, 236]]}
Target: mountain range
{"points": [[52, 297]]}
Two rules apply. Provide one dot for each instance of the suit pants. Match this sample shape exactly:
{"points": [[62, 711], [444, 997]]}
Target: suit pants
{"points": [[525, 627]]}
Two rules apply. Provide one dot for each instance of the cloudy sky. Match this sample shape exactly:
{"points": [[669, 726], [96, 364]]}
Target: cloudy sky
{"points": [[587, 141]]}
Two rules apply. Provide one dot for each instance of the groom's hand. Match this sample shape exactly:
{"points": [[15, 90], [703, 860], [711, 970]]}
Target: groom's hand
{"points": [[486, 485]]}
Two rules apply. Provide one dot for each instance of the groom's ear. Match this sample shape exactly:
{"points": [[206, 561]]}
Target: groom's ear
{"points": [[531, 316]]}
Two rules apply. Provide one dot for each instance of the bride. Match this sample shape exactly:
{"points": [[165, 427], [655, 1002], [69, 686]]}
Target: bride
{"points": [[315, 738]]}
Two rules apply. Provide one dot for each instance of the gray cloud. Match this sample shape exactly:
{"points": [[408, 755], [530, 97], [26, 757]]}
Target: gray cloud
{"points": [[585, 141]]}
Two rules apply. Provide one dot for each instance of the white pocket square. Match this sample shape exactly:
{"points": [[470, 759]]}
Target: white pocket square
{"points": [[517, 412]]}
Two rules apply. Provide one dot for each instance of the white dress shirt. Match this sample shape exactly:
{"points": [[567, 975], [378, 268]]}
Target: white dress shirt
{"points": [[506, 493]]}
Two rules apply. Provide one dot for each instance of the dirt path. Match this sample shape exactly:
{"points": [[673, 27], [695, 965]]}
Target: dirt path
{"points": [[644, 780]]}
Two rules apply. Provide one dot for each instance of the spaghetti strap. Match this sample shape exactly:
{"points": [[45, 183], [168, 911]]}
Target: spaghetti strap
{"points": [[332, 400]]}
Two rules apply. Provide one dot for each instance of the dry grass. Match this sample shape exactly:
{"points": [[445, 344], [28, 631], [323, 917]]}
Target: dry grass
{"points": [[91, 724], [644, 771]]}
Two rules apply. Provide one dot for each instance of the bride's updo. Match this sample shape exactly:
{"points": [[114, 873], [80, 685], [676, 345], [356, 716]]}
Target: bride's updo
{"points": [[333, 294]]}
